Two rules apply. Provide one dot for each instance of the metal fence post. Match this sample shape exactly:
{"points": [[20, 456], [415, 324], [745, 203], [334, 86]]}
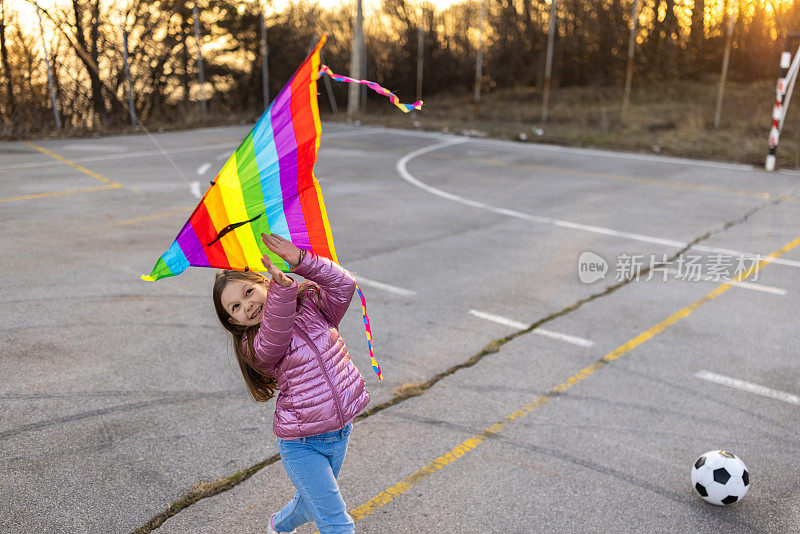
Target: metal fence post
{"points": [[49, 73], [626, 98], [128, 83], [479, 55], [200, 61], [549, 61]]}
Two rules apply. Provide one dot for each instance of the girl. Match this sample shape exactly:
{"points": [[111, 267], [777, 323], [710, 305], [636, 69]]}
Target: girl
{"points": [[285, 337]]}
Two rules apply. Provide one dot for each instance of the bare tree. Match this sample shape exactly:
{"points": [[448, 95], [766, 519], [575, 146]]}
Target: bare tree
{"points": [[90, 62], [697, 29], [11, 105]]}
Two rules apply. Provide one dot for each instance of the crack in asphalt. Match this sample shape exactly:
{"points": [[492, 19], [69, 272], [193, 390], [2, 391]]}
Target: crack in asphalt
{"points": [[205, 489], [177, 399]]}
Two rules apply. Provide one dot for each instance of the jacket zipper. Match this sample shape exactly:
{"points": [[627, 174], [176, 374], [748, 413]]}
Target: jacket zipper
{"points": [[324, 371]]}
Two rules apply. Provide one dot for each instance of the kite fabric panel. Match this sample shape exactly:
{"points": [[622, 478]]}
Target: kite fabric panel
{"points": [[268, 186]]}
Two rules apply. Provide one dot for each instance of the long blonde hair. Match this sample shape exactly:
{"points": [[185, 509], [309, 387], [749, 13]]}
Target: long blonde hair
{"points": [[261, 385]]}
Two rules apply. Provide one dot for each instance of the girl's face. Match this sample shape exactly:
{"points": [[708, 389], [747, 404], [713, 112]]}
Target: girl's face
{"points": [[244, 301]]}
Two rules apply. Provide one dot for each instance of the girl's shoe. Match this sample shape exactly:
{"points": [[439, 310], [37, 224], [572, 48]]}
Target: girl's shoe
{"points": [[272, 527]]}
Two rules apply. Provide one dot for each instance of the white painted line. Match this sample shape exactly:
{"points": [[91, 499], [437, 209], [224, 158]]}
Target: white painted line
{"points": [[499, 320], [730, 252], [348, 133], [410, 133], [195, 148], [616, 233], [759, 287], [748, 386], [203, 168], [93, 147], [581, 342], [575, 150], [744, 285], [419, 133], [215, 129], [402, 170], [385, 287], [643, 157], [337, 152], [612, 154]]}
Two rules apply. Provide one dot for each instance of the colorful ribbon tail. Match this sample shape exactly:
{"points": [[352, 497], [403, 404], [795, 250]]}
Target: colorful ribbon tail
{"points": [[324, 69], [375, 366]]}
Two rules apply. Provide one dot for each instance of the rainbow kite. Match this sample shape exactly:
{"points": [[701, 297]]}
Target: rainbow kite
{"points": [[267, 185]]}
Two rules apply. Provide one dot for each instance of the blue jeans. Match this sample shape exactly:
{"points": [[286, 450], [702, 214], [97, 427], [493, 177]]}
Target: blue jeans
{"points": [[313, 464]]}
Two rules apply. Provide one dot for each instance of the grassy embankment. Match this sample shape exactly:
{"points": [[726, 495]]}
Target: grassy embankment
{"points": [[675, 118]]}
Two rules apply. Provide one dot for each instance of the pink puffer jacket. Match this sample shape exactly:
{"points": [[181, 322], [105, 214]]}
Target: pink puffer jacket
{"points": [[320, 387]]}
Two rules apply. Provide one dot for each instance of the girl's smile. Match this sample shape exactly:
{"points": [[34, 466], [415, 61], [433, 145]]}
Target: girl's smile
{"points": [[244, 302]]}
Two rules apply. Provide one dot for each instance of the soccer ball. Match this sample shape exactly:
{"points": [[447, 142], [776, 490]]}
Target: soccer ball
{"points": [[720, 477]]}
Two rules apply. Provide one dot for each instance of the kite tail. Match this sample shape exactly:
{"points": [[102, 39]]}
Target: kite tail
{"points": [[375, 366], [324, 69]]}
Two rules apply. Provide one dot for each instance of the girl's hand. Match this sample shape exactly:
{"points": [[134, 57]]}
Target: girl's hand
{"points": [[285, 249], [277, 275]]}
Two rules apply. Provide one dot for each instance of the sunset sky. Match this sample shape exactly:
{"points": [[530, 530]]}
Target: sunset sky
{"points": [[27, 12]]}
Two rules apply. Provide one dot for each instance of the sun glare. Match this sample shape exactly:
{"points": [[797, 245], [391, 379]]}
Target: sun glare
{"points": [[26, 11]]}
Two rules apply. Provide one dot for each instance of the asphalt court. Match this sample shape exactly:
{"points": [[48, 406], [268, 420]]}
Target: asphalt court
{"points": [[588, 200], [131, 374], [602, 424], [621, 443]]}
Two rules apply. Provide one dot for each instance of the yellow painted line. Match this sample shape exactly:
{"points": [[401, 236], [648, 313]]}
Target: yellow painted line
{"points": [[472, 443], [110, 184], [95, 227], [72, 164], [153, 216], [59, 193]]}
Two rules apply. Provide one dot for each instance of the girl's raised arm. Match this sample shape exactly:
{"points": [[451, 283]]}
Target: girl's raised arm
{"points": [[337, 284], [274, 335]]}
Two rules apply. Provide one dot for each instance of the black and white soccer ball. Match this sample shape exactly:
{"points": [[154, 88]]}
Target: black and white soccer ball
{"points": [[720, 477]]}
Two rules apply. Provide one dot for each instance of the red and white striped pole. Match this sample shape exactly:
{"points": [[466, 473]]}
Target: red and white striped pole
{"points": [[785, 82]]}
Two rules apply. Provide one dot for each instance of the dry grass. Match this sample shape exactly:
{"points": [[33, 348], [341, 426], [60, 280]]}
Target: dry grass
{"points": [[411, 390], [673, 118], [46, 130]]}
